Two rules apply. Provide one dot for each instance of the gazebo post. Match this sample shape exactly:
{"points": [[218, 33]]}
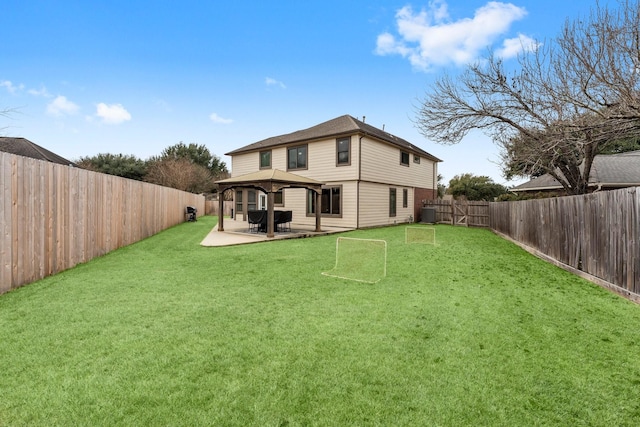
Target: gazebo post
{"points": [[318, 201], [270, 203], [221, 211]]}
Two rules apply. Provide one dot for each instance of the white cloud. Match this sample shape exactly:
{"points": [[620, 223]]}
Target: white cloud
{"points": [[273, 82], [164, 105], [61, 106], [429, 38], [112, 114], [512, 47], [40, 92], [217, 119], [10, 87]]}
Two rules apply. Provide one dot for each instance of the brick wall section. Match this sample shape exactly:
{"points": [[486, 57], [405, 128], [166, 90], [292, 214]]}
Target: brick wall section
{"points": [[419, 195]]}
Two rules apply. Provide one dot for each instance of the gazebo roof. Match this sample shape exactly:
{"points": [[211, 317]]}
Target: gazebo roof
{"points": [[269, 180]]}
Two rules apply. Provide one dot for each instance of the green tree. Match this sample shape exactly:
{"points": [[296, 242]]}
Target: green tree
{"points": [[126, 166], [474, 187], [441, 187], [621, 146]]}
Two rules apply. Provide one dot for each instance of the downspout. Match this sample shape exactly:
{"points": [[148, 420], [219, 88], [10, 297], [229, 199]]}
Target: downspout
{"points": [[358, 182], [435, 180]]}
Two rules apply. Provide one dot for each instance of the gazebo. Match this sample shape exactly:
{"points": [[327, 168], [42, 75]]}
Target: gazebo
{"points": [[269, 181]]}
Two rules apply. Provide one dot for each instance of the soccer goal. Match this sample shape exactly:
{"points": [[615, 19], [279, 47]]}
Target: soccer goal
{"points": [[420, 235], [362, 260]]}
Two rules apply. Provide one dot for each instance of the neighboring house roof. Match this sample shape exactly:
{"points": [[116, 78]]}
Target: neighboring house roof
{"points": [[340, 126], [608, 170], [26, 148]]}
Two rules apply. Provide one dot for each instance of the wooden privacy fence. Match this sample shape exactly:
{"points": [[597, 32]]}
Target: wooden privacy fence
{"points": [[461, 212], [597, 233], [53, 217], [211, 207]]}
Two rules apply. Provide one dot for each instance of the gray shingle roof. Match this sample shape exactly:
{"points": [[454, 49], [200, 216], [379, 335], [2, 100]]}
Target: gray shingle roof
{"points": [[340, 126], [26, 148], [608, 170]]}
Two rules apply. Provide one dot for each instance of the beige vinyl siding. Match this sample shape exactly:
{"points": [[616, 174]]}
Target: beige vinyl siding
{"points": [[381, 164], [322, 162], [243, 164], [294, 199], [374, 205], [279, 158]]}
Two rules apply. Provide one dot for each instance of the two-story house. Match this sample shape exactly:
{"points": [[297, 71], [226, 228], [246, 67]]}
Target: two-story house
{"points": [[370, 177]]}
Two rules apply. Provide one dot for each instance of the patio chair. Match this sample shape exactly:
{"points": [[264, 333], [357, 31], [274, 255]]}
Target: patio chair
{"points": [[255, 219], [285, 220]]}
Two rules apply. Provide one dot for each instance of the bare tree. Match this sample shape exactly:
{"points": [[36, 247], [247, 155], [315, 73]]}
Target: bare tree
{"points": [[6, 112], [198, 154], [180, 173], [558, 108]]}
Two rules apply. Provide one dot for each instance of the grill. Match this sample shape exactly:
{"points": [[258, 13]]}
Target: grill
{"points": [[190, 213]]}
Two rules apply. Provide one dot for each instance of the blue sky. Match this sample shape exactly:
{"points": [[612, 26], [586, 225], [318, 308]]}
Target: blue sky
{"points": [[135, 77]]}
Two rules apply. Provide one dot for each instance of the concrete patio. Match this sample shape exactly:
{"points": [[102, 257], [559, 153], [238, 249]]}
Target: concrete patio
{"points": [[237, 233]]}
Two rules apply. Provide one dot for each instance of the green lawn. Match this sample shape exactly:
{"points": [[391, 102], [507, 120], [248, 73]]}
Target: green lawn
{"points": [[473, 331]]}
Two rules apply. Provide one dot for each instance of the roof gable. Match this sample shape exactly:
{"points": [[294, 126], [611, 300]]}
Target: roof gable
{"points": [[340, 126], [26, 148]]}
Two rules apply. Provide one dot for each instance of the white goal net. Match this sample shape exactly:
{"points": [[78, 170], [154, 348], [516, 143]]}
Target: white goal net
{"points": [[362, 260], [426, 235]]}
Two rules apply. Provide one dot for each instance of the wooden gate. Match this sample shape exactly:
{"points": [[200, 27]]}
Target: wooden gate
{"points": [[461, 212]]}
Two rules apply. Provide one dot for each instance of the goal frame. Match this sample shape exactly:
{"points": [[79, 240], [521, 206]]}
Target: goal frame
{"points": [[406, 235], [335, 267]]}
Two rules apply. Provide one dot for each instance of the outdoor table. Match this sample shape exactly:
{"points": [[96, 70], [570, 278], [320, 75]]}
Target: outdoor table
{"points": [[259, 217]]}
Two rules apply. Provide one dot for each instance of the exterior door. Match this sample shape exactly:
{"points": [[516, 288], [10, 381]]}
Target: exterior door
{"points": [[262, 203]]}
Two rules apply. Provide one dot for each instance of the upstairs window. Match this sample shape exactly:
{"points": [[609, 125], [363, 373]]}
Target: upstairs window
{"points": [[265, 159], [343, 151], [297, 157], [404, 158], [416, 159]]}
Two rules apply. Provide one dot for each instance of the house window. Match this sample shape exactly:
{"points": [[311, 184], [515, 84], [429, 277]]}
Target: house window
{"points": [[330, 201], [239, 201], [416, 159], [404, 158], [392, 202], [343, 151], [252, 204], [405, 198], [297, 157], [265, 159], [278, 198]]}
